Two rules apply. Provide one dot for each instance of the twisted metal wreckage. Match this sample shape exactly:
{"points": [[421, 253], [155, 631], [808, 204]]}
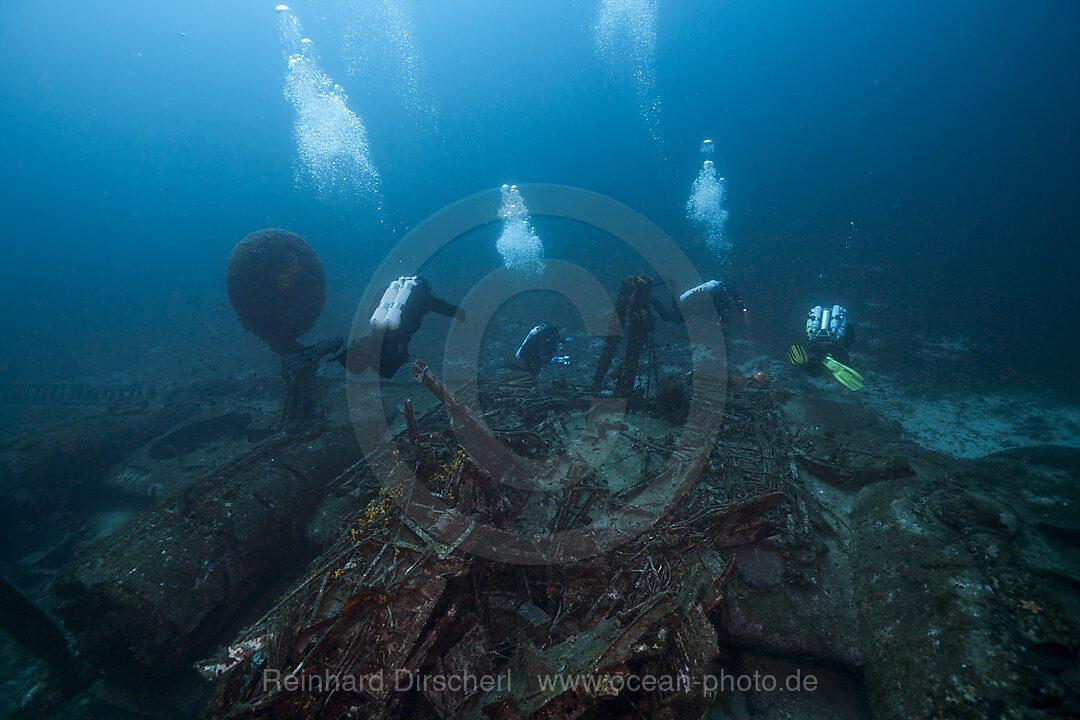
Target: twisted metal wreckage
{"points": [[424, 586], [528, 550]]}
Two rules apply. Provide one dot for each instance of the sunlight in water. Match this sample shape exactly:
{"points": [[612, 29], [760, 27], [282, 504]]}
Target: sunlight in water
{"points": [[626, 36], [520, 247], [706, 207], [379, 38], [332, 144]]}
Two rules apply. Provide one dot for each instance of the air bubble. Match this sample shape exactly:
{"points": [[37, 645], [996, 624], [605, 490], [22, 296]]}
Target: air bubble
{"points": [[332, 146], [706, 207], [626, 38], [521, 248], [379, 38]]}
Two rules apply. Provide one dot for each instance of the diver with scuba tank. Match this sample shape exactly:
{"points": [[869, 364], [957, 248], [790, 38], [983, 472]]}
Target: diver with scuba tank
{"points": [[828, 337], [394, 321], [708, 298], [541, 347]]}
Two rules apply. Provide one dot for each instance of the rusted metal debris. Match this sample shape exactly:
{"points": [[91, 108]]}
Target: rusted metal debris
{"points": [[141, 601], [633, 318], [398, 603], [639, 328], [490, 452], [410, 424]]}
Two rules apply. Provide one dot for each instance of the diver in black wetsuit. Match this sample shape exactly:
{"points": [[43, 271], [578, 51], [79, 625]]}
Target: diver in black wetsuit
{"points": [[707, 298], [539, 348], [828, 336], [395, 320]]}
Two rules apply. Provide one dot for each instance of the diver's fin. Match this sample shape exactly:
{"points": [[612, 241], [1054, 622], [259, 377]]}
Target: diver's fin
{"points": [[843, 374], [797, 355], [308, 356]]}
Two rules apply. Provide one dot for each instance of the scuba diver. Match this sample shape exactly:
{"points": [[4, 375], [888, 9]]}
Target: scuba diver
{"points": [[394, 321], [828, 337], [539, 348], [705, 299]]}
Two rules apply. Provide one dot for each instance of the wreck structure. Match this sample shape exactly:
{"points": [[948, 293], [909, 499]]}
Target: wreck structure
{"points": [[522, 550]]}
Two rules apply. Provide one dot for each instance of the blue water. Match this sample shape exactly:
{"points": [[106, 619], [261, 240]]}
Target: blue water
{"points": [[141, 141]]}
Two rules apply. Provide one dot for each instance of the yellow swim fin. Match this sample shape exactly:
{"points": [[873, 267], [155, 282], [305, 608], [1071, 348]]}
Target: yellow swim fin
{"points": [[797, 355], [843, 374]]}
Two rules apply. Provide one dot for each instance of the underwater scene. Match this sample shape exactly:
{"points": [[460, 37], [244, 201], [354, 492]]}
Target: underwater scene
{"points": [[410, 359]]}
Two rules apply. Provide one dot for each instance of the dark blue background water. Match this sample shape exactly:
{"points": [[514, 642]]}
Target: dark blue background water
{"points": [[141, 141]]}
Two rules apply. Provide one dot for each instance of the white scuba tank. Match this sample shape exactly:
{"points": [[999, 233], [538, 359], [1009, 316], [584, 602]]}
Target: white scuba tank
{"points": [[813, 321], [703, 287], [378, 318], [393, 315], [535, 331], [388, 315], [826, 318], [838, 324]]}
